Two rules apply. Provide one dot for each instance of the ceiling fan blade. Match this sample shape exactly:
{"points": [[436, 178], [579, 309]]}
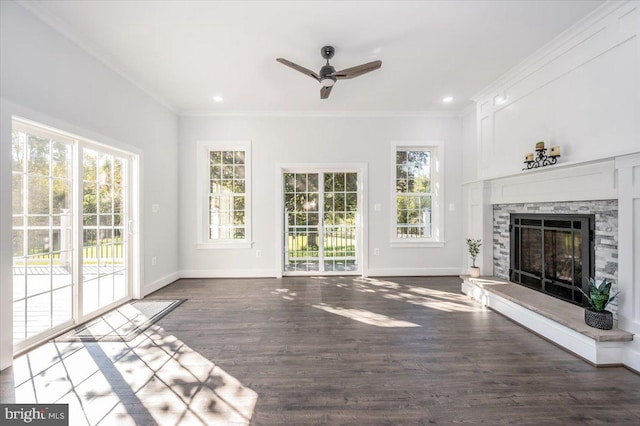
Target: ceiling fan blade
{"points": [[357, 70], [325, 92], [297, 67]]}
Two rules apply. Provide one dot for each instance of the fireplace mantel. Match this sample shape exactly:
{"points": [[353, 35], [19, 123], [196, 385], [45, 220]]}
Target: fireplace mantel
{"points": [[580, 182]]}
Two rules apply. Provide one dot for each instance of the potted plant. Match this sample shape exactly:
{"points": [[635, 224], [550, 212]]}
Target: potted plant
{"points": [[473, 246], [599, 297]]}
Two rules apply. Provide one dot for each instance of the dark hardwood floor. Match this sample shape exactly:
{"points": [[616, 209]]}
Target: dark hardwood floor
{"points": [[325, 351]]}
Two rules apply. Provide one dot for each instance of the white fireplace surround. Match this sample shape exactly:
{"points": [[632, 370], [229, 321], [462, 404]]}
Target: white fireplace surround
{"points": [[609, 179]]}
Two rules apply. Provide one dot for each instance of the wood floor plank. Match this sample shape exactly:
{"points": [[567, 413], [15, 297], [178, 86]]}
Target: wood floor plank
{"points": [[325, 350]]}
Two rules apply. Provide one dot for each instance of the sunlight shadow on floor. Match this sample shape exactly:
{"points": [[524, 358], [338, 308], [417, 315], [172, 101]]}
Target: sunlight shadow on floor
{"points": [[366, 317], [427, 297], [154, 379]]}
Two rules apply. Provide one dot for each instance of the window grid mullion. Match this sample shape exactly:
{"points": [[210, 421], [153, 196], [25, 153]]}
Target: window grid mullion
{"points": [[412, 167]]}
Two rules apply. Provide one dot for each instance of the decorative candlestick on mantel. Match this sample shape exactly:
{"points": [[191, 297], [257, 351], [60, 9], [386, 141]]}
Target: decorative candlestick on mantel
{"points": [[541, 159]]}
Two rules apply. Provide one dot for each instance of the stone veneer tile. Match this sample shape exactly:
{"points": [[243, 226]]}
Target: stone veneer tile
{"points": [[606, 234]]}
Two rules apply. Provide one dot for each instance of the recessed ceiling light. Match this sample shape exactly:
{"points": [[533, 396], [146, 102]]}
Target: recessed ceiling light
{"points": [[218, 98], [447, 99]]}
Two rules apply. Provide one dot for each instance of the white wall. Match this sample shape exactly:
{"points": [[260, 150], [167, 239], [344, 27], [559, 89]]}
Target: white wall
{"points": [[470, 145], [476, 212], [320, 140], [628, 170], [46, 78], [582, 92]]}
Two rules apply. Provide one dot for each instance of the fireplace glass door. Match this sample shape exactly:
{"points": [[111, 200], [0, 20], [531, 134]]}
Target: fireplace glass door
{"points": [[552, 253]]}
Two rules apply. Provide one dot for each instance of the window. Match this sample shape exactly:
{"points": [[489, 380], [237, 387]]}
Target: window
{"points": [[225, 176], [417, 187]]}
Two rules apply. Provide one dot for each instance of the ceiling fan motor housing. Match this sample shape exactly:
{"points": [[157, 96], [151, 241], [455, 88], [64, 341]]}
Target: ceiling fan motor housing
{"points": [[327, 52]]}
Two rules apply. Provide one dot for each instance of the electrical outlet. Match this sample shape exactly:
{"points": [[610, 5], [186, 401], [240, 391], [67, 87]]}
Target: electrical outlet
{"points": [[258, 253], [154, 261], [376, 252]]}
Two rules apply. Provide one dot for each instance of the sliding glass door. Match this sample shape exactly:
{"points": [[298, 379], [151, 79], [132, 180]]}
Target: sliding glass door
{"points": [[321, 229], [67, 266]]}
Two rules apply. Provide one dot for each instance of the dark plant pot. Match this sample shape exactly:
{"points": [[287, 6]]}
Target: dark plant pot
{"points": [[598, 319]]}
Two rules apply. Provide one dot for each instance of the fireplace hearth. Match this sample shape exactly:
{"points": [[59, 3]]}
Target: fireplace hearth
{"points": [[552, 253]]}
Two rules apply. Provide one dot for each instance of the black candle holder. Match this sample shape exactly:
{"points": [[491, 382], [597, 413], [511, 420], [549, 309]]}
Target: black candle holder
{"points": [[541, 160]]}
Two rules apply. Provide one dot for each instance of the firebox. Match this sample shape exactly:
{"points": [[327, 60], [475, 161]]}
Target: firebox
{"points": [[553, 253]]}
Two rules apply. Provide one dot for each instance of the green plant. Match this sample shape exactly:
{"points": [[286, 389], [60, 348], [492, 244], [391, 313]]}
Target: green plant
{"points": [[599, 296], [473, 246]]}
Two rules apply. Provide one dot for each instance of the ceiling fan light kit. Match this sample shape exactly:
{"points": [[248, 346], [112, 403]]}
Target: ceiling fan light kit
{"points": [[328, 75]]}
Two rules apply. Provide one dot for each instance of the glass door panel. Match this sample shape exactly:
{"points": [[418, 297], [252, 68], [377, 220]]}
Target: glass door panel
{"points": [[340, 221], [302, 227], [104, 266], [42, 169]]}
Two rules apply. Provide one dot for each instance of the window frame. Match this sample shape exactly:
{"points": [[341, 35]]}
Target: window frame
{"points": [[436, 149], [203, 152]]}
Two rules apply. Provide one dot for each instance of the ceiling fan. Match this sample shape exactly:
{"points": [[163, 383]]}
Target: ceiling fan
{"points": [[328, 74]]}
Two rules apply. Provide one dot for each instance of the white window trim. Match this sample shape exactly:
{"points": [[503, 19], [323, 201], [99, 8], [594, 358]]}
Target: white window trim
{"points": [[437, 200], [202, 159]]}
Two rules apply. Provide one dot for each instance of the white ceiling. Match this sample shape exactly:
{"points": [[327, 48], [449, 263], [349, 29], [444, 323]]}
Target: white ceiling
{"points": [[185, 52]]}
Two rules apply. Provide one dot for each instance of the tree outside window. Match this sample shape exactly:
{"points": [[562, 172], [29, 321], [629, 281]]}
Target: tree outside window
{"points": [[224, 202], [413, 193], [227, 214]]}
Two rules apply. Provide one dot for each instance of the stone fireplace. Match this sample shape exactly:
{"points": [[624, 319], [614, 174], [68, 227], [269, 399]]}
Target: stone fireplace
{"points": [[560, 215]]}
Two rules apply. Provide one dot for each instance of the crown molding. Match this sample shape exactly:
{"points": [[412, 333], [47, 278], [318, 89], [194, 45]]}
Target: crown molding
{"points": [[549, 50], [40, 11], [339, 114]]}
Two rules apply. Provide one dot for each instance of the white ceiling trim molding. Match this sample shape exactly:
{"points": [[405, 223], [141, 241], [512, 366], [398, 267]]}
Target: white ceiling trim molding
{"points": [[548, 52], [354, 114], [40, 11]]}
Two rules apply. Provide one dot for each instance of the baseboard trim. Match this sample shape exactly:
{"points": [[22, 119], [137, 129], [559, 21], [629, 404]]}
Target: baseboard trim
{"points": [[162, 282], [412, 272], [228, 273]]}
